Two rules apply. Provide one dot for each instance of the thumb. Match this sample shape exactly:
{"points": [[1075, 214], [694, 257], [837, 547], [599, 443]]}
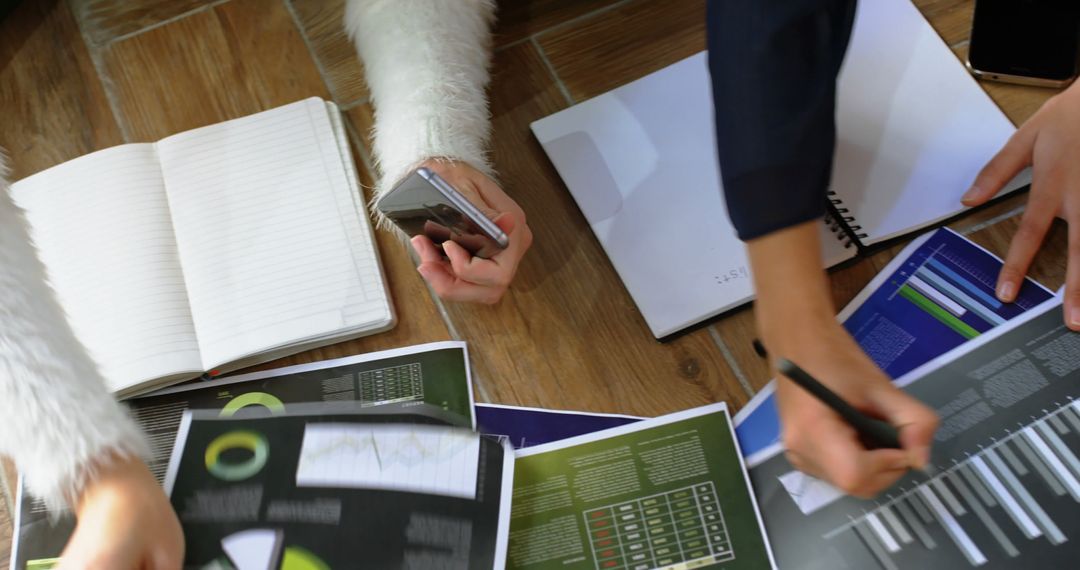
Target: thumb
{"points": [[1011, 159], [916, 422]]}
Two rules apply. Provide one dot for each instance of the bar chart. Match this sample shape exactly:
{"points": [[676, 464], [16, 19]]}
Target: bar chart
{"points": [[940, 296], [1004, 488], [956, 293], [936, 295], [1023, 487]]}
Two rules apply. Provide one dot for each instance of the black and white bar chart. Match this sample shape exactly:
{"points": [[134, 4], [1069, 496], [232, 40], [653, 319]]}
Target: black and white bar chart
{"points": [[1005, 487]]}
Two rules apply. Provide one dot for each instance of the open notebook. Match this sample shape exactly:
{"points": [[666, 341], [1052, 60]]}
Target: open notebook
{"points": [[212, 249], [913, 130]]}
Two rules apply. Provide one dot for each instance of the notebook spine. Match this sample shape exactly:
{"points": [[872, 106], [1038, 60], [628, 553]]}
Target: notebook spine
{"points": [[840, 222]]}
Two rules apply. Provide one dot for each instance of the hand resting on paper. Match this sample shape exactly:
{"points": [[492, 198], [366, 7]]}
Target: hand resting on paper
{"points": [[125, 522], [1049, 142], [460, 276], [797, 321]]}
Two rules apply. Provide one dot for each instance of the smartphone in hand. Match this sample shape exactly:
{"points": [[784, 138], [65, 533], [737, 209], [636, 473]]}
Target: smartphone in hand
{"points": [[425, 204]]}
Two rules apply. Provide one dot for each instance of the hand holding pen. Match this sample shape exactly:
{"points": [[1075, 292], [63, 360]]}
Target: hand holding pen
{"points": [[872, 432], [852, 428]]}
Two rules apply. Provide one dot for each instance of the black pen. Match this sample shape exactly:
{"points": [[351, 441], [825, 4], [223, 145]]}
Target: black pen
{"points": [[874, 433]]}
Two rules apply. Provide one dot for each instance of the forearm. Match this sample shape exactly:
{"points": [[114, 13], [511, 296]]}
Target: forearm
{"points": [[796, 321], [792, 289], [426, 64], [60, 421]]}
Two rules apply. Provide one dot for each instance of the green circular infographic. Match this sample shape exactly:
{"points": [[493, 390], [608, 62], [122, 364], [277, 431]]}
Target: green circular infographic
{"points": [[268, 401], [240, 439]]}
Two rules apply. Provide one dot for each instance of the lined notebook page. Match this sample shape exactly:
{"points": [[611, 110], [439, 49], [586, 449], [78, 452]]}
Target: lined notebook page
{"points": [[357, 225], [274, 250], [102, 227]]}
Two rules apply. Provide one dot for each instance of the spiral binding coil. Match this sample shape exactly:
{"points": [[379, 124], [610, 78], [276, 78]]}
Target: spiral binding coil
{"points": [[842, 225]]}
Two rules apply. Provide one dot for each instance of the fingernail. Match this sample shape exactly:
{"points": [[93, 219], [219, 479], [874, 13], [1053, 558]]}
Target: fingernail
{"points": [[922, 457], [1006, 291], [971, 193], [1074, 317]]}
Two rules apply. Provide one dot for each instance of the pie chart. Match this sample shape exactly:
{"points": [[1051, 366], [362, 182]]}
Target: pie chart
{"points": [[261, 549]]}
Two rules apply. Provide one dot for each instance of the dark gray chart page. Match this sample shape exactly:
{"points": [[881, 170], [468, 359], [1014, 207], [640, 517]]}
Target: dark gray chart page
{"points": [[1005, 491]]}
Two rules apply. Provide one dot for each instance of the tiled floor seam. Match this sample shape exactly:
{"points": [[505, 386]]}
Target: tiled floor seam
{"points": [[732, 363], [163, 23], [551, 70]]}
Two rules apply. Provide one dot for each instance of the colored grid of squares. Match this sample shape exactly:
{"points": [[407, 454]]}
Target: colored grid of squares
{"points": [[677, 530], [394, 384]]}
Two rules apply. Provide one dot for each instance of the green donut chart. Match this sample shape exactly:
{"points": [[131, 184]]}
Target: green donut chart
{"points": [[262, 399], [239, 439]]}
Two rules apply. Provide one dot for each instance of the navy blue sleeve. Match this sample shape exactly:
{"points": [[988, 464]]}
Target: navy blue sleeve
{"points": [[774, 65]]}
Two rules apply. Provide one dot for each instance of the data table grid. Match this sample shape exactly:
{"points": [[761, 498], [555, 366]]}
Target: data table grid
{"points": [[403, 383], [676, 530]]}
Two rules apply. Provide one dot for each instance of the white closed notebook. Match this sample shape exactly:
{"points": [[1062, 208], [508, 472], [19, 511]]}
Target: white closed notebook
{"points": [[913, 130], [212, 249], [914, 127]]}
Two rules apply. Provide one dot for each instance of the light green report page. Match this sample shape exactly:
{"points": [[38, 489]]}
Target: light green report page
{"points": [[669, 492]]}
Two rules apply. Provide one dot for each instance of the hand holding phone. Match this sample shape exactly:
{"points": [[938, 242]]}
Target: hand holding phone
{"points": [[469, 234], [425, 204]]}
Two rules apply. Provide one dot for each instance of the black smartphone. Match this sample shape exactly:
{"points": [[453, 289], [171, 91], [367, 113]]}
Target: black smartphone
{"points": [[425, 204], [1032, 42]]}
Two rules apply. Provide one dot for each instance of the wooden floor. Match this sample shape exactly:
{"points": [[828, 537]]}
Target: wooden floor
{"points": [[87, 74]]}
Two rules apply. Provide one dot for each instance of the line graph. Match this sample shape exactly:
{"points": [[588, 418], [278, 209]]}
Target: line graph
{"points": [[410, 458]]}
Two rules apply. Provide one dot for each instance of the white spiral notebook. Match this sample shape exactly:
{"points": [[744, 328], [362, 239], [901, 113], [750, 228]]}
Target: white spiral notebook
{"points": [[913, 129], [212, 249]]}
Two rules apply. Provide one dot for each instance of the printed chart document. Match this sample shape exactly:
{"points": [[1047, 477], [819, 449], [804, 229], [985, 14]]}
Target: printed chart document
{"points": [[1005, 488], [340, 486], [435, 374], [669, 492], [935, 295], [527, 427]]}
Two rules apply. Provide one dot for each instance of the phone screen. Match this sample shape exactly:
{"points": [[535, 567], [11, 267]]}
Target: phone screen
{"points": [[419, 208], [1031, 38]]}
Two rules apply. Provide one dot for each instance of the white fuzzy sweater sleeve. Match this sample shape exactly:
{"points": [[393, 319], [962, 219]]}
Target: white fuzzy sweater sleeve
{"points": [[426, 63], [58, 418]]}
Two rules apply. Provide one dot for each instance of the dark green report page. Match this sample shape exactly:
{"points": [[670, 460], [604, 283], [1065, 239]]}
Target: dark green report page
{"points": [[669, 492]]}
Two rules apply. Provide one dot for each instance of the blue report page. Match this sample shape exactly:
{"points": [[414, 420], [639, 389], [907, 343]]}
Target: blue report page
{"points": [[527, 427], [936, 294]]}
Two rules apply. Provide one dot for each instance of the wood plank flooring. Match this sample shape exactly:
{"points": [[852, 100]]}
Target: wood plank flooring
{"points": [[82, 75]]}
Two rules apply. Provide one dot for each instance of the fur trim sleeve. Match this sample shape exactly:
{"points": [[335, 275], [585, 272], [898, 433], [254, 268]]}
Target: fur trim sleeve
{"points": [[59, 419], [426, 63]]}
